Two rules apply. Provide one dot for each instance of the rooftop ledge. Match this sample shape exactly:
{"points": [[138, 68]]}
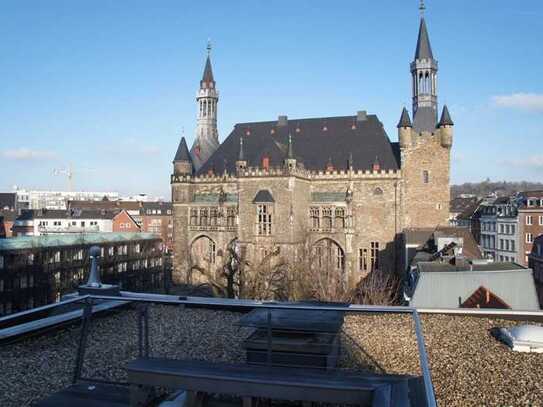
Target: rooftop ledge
{"points": [[452, 349]]}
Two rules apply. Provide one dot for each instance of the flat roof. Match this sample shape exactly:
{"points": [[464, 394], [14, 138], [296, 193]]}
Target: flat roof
{"points": [[468, 366], [73, 239]]}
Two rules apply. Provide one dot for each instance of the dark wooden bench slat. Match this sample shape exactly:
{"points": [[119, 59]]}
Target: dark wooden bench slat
{"points": [[258, 381]]}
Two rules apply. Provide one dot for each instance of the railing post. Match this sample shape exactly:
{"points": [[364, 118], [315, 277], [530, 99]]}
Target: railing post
{"points": [[87, 312], [269, 354], [424, 364]]}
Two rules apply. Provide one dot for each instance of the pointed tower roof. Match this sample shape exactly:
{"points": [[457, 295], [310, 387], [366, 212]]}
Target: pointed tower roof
{"points": [[445, 118], [208, 72], [424, 50], [405, 120], [182, 152]]}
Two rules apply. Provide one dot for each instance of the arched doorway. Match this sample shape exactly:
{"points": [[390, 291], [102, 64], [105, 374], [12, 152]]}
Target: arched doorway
{"points": [[328, 256], [203, 254]]}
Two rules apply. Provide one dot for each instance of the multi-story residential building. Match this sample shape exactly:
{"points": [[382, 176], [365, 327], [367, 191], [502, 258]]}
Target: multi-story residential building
{"points": [[45, 222], [535, 262], [530, 220], [158, 218], [149, 216], [507, 237], [335, 187], [34, 199], [487, 221], [39, 270]]}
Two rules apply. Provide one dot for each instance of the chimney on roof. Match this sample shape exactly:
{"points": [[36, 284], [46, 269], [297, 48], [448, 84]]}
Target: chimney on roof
{"points": [[361, 116], [282, 121]]}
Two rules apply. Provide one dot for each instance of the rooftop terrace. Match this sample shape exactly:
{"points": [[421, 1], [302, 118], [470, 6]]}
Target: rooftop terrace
{"points": [[468, 366]]}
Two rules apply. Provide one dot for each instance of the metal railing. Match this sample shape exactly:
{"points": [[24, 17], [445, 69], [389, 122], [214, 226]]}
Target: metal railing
{"points": [[143, 323]]}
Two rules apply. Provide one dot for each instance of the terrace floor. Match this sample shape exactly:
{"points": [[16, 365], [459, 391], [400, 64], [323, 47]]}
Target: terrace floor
{"points": [[468, 366]]}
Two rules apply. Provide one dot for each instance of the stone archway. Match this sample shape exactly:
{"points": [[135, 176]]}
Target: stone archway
{"points": [[203, 255], [328, 256]]}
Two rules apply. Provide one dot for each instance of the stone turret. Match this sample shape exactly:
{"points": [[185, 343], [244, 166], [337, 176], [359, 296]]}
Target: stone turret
{"points": [[424, 75], [182, 162], [446, 127], [206, 141], [405, 129]]}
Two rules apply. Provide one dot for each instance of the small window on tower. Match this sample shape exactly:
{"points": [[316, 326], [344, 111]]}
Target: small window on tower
{"points": [[425, 177]]}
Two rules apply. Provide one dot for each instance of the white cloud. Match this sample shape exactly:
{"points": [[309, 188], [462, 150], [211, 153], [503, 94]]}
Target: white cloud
{"points": [[534, 162], [27, 154], [522, 101]]}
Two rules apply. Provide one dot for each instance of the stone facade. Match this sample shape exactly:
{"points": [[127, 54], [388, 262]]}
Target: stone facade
{"points": [[348, 218]]}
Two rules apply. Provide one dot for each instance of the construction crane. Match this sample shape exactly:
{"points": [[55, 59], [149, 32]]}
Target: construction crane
{"points": [[69, 173]]}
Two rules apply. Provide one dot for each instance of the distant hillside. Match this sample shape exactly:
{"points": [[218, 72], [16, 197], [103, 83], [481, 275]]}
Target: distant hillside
{"points": [[501, 188]]}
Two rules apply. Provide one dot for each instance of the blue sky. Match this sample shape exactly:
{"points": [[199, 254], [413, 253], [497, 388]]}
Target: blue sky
{"points": [[108, 85]]}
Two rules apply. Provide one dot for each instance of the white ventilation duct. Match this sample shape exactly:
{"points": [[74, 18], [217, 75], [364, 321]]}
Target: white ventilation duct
{"points": [[523, 338]]}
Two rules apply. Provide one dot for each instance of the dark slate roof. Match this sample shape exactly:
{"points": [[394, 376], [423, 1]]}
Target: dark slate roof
{"points": [[425, 119], [75, 213], [263, 196], [424, 50], [208, 72], [460, 204], [405, 120], [183, 152], [445, 117], [7, 200], [312, 144]]}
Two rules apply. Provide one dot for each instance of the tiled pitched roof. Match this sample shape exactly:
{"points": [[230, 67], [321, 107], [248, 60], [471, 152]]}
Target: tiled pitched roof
{"points": [[314, 141]]}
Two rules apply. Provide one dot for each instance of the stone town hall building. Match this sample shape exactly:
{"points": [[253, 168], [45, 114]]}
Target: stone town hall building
{"points": [[334, 185]]}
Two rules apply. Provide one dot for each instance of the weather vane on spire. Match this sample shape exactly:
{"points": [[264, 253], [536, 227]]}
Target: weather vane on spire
{"points": [[208, 46], [422, 7]]}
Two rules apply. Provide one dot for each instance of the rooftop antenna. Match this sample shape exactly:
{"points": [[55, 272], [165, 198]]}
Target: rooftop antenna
{"points": [[422, 7]]}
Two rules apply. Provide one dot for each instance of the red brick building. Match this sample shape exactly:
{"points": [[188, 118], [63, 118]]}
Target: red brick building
{"points": [[530, 221], [124, 222]]}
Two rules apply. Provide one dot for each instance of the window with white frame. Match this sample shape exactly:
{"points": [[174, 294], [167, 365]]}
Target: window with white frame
{"points": [[264, 220], [529, 238], [528, 219], [540, 220]]}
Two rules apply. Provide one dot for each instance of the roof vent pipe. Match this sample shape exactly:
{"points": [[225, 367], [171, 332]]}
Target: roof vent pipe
{"points": [[94, 276], [361, 116], [282, 121]]}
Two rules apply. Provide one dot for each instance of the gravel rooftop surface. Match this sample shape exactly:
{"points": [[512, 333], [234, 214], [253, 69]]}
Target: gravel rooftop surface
{"points": [[468, 366]]}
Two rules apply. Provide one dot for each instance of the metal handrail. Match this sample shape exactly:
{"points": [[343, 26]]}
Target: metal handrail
{"points": [[423, 357]]}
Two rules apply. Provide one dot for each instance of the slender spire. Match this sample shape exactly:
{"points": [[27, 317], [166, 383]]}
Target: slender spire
{"points": [[424, 49], [290, 154], [241, 155], [208, 71], [445, 118], [405, 120]]}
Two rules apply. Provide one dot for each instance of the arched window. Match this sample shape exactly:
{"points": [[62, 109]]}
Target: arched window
{"points": [[314, 215], [340, 218], [203, 217], [203, 251], [327, 222], [194, 217], [328, 256]]}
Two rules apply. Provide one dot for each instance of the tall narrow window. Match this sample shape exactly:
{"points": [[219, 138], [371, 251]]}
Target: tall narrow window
{"points": [[212, 252], [327, 218], [374, 255], [194, 217], [203, 217], [230, 217], [425, 176], [529, 219], [363, 259], [213, 217], [264, 218], [314, 214], [340, 217], [529, 238]]}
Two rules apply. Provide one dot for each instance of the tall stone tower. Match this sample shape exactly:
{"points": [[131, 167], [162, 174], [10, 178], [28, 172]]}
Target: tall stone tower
{"points": [[425, 144], [207, 136], [424, 73]]}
